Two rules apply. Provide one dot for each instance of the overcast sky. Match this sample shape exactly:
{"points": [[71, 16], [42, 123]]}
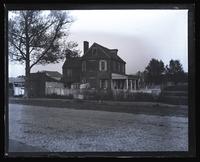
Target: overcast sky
{"points": [[139, 35]]}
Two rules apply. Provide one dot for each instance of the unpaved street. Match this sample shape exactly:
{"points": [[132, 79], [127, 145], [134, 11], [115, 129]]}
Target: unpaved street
{"points": [[67, 130]]}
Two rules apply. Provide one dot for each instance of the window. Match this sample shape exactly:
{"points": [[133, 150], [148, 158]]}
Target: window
{"points": [[103, 65], [69, 73], [103, 84], [84, 66], [91, 65]]}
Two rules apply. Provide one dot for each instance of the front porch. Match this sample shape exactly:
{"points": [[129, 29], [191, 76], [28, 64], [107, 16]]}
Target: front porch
{"points": [[123, 82]]}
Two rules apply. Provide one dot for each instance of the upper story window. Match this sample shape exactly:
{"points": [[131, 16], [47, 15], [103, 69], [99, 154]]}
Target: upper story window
{"points": [[84, 66], [103, 65], [92, 65]]}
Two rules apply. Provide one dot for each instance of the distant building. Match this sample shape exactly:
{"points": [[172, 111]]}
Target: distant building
{"points": [[41, 83], [16, 86], [99, 66]]}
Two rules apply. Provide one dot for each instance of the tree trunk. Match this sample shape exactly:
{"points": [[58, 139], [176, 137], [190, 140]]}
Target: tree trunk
{"points": [[27, 62], [27, 81]]}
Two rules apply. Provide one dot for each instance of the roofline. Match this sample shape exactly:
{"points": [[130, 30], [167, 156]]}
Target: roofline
{"points": [[121, 60]]}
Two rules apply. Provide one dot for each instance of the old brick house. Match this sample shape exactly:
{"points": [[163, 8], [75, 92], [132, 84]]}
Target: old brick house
{"points": [[99, 66]]}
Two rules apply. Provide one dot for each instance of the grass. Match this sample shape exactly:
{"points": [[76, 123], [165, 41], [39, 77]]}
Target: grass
{"points": [[111, 106]]}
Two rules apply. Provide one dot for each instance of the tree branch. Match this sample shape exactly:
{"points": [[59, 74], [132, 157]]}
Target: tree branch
{"points": [[15, 35], [42, 55], [21, 52], [40, 32], [18, 57]]}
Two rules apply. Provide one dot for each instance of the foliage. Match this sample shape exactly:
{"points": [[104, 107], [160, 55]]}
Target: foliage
{"points": [[55, 96], [174, 71], [153, 72], [177, 88], [38, 37], [72, 53], [120, 96]]}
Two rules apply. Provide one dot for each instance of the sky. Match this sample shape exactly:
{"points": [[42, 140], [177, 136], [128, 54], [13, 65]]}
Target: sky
{"points": [[139, 35]]}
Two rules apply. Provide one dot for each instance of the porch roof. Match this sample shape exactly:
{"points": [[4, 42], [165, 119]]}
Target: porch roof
{"points": [[118, 76]]}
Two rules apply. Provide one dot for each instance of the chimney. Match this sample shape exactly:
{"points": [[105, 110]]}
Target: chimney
{"points": [[85, 46]]}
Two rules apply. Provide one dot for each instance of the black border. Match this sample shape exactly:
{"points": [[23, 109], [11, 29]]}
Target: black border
{"points": [[108, 5]]}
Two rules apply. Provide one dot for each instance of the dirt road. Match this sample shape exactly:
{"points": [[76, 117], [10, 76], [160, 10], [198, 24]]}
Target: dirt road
{"points": [[68, 130]]}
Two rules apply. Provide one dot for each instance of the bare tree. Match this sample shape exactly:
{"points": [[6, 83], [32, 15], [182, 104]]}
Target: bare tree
{"points": [[36, 37]]}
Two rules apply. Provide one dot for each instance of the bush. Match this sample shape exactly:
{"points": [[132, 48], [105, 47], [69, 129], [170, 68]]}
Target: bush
{"points": [[145, 97], [109, 95], [98, 95], [56, 96], [177, 88], [138, 96]]}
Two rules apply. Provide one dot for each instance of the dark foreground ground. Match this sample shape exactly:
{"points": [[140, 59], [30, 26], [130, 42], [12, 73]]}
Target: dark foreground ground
{"points": [[148, 108], [61, 125], [40, 128]]}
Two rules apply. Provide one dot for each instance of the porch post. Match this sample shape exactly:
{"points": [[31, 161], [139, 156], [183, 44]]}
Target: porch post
{"points": [[135, 85], [131, 84], [126, 83], [138, 83]]}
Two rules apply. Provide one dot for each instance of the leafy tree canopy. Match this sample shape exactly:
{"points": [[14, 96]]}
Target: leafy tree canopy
{"points": [[153, 72], [39, 37]]}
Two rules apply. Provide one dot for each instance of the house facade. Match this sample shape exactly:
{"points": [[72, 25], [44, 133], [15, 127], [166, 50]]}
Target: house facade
{"points": [[99, 67]]}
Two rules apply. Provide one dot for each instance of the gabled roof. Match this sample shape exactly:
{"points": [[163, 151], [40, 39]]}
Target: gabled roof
{"points": [[52, 74], [16, 79], [72, 62], [102, 52]]}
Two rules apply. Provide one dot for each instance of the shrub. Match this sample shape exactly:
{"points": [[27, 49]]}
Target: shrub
{"points": [[98, 95], [109, 95], [177, 88], [138, 96], [70, 96], [145, 97], [56, 96]]}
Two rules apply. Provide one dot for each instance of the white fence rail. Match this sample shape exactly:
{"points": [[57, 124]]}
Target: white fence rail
{"points": [[61, 91], [78, 93]]}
